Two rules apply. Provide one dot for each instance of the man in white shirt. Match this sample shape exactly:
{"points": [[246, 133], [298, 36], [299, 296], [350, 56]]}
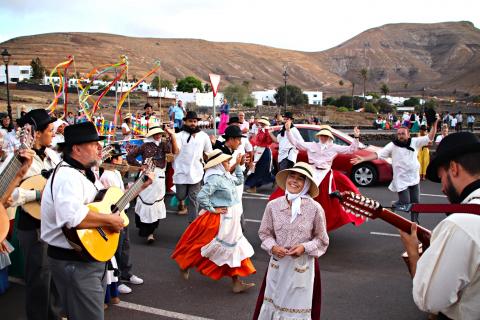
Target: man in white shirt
{"points": [[64, 205], [443, 134], [58, 127], [244, 125], [406, 168], [446, 278], [188, 164], [287, 152]]}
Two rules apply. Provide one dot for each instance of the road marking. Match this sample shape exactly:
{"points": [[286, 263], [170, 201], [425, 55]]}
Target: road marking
{"points": [[433, 195], [252, 220], [255, 198], [256, 194], [385, 234], [16, 280], [158, 312]]}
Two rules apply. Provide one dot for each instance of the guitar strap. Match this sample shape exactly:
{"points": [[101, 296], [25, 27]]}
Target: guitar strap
{"points": [[447, 208], [67, 166]]}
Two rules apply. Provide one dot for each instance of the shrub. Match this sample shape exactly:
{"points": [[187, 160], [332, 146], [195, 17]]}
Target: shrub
{"points": [[342, 109], [369, 107]]}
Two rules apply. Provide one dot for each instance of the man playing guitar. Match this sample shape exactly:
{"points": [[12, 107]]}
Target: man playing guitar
{"points": [[64, 204]]}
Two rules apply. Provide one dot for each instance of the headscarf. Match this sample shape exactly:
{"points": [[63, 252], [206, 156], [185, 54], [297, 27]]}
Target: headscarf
{"points": [[216, 169], [296, 199], [150, 139]]}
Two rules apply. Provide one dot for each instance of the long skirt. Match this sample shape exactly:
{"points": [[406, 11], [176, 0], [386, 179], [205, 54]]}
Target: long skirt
{"points": [[335, 213], [150, 206], [263, 171], [215, 245], [316, 297], [223, 123]]}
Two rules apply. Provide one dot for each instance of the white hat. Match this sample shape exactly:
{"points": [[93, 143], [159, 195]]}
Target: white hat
{"points": [[216, 157], [304, 169], [264, 120], [153, 131], [325, 132], [57, 123]]}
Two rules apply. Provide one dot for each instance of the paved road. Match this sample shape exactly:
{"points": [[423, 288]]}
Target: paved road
{"points": [[363, 276]]}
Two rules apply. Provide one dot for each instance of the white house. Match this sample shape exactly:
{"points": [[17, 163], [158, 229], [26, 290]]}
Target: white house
{"points": [[200, 99], [314, 97], [264, 97], [15, 73]]}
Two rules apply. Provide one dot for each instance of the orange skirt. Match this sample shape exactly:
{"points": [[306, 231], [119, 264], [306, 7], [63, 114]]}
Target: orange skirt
{"points": [[199, 233]]}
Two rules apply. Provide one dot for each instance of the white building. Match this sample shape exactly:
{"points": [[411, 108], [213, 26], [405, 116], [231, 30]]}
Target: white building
{"points": [[15, 73], [200, 99], [314, 97], [264, 97]]}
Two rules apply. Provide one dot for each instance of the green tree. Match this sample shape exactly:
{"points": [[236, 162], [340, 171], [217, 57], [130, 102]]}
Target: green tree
{"points": [[412, 102], [295, 96], [207, 87], [37, 68], [384, 106], [155, 84], [188, 83], [369, 107], [384, 89], [164, 83], [236, 93], [249, 102]]}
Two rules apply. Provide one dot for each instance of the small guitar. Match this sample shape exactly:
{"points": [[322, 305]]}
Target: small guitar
{"points": [[4, 223], [38, 182], [99, 243], [13, 163]]}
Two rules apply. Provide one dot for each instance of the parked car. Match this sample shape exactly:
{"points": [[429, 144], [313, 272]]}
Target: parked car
{"points": [[364, 174]]}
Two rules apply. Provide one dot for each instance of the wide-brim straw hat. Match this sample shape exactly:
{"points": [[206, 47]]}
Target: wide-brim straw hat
{"points": [[216, 157], [302, 168], [264, 120], [325, 132], [127, 116], [153, 131]]}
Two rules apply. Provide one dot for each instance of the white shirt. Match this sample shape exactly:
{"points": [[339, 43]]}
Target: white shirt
{"points": [[128, 135], [71, 192], [244, 125], [58, 138], [447, 279], [285, 148], [453, 122], [405, 165], [113, 178], [439, 139], [188, 164]]}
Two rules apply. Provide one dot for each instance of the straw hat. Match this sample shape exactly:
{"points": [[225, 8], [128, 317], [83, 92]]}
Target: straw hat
{"points": [[153, 131], [325, 132], [264, 120], [127, 116], [216, 157], [325, 126], [302, 168]]}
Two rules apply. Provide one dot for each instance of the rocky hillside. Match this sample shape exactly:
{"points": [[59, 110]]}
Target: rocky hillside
{"points": [[442, 56]]}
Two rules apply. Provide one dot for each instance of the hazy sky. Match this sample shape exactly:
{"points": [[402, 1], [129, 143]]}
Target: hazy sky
{"points": [[295, 24]]}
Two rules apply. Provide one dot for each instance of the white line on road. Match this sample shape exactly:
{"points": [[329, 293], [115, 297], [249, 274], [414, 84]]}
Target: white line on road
{"points": [[252, 220], [433, 195], [158, 312], [385, 234], [255, 198]]}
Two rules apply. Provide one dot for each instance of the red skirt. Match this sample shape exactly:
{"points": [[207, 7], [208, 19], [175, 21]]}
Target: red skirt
{"points": [[316, 298], [335, 214], [199, 233]]}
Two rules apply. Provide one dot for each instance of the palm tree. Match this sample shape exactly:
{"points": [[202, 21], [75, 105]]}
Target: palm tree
{"points": [[363, 74], [385, 90]]}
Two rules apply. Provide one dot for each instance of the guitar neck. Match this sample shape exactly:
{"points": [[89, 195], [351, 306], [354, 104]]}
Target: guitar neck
{"points": [[7, 176], [130, 193], [405, 225]]}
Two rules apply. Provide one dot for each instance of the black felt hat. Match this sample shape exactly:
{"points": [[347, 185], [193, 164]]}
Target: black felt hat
{"points": [[81, 133], [233, 131], [191, 115], [38, 118], [451, 146], [232, 120], [288, 115]]}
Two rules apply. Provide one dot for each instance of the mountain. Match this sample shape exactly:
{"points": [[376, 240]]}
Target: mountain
{"points": [[440, 56]]}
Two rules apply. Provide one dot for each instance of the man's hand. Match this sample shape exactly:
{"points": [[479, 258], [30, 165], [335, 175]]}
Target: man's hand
{"points": [[410, 241], [169, 131], [150, 177], [279, 251], [239, 160], [296, 250], [356, 160], [116, 222], [221, 210], [213, 139]]}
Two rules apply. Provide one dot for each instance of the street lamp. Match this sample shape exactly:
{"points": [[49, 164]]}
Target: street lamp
{"points": [[285, 77], [6, 58]]}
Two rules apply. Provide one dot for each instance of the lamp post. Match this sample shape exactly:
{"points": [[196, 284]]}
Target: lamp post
{"points": [[6, 58], [285, 77]]}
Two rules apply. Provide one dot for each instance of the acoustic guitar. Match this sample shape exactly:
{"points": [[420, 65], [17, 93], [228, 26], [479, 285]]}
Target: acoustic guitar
{"points": [[99, 243], [359, 205], [4, 223], [38, 182], [14, 163]]}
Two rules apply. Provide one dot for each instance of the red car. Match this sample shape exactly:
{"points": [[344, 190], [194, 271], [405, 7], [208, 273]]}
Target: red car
{"points": [[364, 174]]}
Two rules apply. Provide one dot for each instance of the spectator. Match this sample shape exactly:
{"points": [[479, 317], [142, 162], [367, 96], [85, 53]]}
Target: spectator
{"points": [[459, 125], [470, 122]]}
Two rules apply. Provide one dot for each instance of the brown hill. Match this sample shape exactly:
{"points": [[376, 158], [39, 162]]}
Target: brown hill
{"points": [[443, 56]]}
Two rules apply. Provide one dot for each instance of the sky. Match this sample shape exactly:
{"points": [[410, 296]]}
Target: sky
{"points": [[295, 24]]}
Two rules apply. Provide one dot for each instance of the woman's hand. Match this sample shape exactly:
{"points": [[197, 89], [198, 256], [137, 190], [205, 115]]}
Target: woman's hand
{"points": [[221, 210], [356, 132], [279, 251], [288, 125], [296, 250]]}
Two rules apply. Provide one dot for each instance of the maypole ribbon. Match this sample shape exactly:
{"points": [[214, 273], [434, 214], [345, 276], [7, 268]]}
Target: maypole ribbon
{"points": [[51, 108], [125, 94]]}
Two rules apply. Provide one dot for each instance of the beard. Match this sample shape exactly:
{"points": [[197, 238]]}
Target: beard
{"points": [[93, 163], [451, 192]]}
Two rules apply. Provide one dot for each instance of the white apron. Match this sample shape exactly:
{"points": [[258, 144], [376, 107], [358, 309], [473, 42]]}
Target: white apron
{"points": [[150, 205], [289, 289], [319, 175], [229, 246]]}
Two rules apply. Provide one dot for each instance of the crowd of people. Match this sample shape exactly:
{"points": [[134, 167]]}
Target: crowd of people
{"points": [[209, 176]]}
